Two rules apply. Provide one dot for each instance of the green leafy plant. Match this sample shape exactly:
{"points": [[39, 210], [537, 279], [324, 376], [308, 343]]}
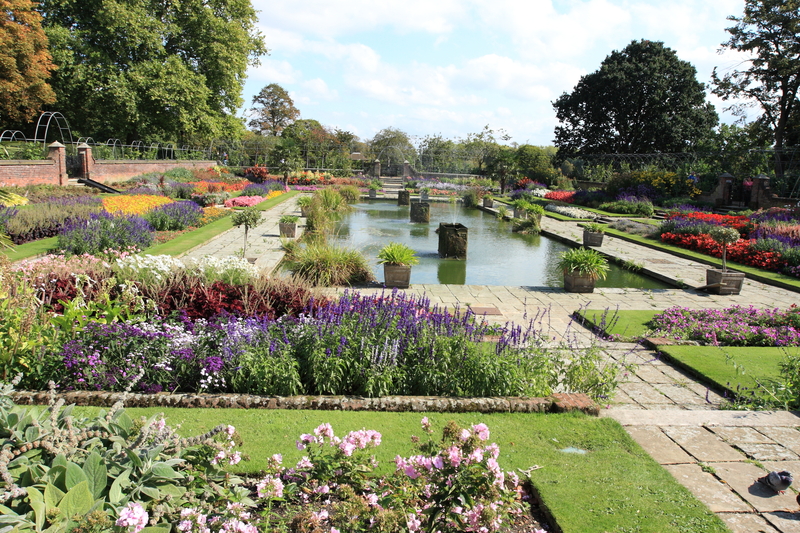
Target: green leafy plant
{"points": [[585, 262], [374, 185], [534, 209], [303, 201], [594, 227], [396, 253], [288, 219], [724, 236]]}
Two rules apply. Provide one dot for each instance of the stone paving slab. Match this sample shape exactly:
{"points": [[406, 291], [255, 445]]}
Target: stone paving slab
{"points": [[742, 476], [785, 522], [708, 489], [767, 452], [702, 444], [747, 523], [787, 436], [754, 419], [741, 435], [659, 446]]}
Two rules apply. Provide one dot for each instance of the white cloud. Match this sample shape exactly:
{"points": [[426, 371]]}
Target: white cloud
{"points": [[314, 90], [275, 71]]}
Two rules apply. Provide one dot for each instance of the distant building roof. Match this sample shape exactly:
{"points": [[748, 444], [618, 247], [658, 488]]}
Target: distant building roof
{"points": [[357, 156]]}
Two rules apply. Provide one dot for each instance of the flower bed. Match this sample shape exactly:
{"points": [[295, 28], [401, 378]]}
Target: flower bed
{"points": [[740, 252], [561, 196], [569, 211], [732, 326], [136, 204]]}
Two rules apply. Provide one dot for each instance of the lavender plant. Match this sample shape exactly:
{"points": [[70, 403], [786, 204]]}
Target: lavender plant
{"points": [[103, 232], [175, 216]]}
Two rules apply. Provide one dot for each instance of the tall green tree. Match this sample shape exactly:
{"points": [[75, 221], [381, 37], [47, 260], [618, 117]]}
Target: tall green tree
{"points": [[149, 70], [536, 162], [769, 31], [392, 146], [643, 99], [502, 165], [273, 110], [25, 63]]}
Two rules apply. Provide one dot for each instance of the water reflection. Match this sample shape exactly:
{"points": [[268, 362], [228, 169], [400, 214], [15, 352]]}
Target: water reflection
{"points": [[495, 255]]}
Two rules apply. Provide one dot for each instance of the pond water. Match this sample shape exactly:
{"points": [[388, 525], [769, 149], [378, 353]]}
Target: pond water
{"points": [[495, 255]]}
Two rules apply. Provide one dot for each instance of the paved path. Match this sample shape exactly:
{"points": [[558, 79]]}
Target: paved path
{"points": [[717, 454]]}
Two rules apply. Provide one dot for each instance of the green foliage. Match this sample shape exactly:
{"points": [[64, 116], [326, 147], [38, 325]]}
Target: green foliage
{"points": [[396, 253], [594, 227], [769, 33], [350, 193], [58, 468], [536, 163], [643, 99], [640, 208], [288, 219], [527, 226], [585, 262], [391, 146], [471, 197], [325, 265], [138, 71], [274, 110], [247, 217]]}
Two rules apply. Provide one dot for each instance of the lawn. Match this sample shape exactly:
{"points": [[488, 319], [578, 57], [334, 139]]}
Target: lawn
{"points": [[613, 486], [736, 369], [624, 325]]}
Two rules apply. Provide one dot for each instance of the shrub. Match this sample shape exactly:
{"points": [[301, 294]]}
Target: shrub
{"points": [[470, 197], [632, 206], [326, 265], [103, 232], [350, 193], [179, 174], [174, 217], [396, 253], [40, 221], [244, 201]]}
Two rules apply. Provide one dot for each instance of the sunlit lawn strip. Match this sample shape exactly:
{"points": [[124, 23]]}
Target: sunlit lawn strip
{"points": [[615, 486], [731, 368], [30, 249], [765, 276], [625, 325]]}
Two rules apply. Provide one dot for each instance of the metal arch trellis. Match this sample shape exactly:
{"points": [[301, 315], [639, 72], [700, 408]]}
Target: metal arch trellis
{"points": [[43, 127]]}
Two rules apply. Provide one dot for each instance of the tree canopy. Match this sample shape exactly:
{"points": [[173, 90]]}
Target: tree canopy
{"points": [[769, 31], [25, 63], [152, 71], [643, 99], [273, 110], [392, 145]]}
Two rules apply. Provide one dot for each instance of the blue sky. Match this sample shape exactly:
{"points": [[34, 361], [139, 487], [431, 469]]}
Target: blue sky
{"points": [[451, 67]]}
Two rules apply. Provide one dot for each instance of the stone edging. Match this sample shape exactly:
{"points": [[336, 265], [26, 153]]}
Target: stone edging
{"points": [[556, 403]]}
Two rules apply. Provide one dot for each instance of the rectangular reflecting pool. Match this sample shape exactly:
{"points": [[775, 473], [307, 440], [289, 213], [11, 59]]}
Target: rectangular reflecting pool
{"points": [[495, 255]]}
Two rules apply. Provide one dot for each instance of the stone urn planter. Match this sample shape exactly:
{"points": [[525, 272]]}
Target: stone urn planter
{"points": [[520, 213], [373, 193], [582, 267], [453, 240], [287, 226], [488, 201], [420, 212], [723, 281], [593, 234], [424, 195], [403, 197], [397, 259]]}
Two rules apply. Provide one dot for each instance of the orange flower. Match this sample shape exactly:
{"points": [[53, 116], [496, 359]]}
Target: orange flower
{"points": [[135, 204]]}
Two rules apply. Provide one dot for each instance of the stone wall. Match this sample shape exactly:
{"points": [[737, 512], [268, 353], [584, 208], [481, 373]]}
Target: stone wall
{"points": [[557, 403], [53, 170]]}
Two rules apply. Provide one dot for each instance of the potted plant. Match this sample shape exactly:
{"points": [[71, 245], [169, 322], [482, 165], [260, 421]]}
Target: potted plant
{"points": [[520, 207], [582, 267], [424, 193], [724, 281], [593, 234], [304, 202], [488, 201], [374, 186], [534, 211], [287, 225], [397, 259]]}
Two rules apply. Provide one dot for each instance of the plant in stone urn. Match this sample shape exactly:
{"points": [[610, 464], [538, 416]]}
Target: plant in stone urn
{"points": [[287, 225], [304, 202], [593, 234], [724, 281], [582, 267], [397, 259]]}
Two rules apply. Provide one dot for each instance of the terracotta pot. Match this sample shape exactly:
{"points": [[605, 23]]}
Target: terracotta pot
{"points": [[396, 275], [287, 230], [728, 282], [574, 282], [592, 239]]}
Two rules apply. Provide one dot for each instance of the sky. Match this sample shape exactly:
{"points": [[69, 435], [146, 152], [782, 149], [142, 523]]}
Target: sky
{"points": [[451, 67]]}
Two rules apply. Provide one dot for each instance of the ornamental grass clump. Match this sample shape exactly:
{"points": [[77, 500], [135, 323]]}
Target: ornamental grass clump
{"points": [[584, 262], [325, 265], [396, 253]]}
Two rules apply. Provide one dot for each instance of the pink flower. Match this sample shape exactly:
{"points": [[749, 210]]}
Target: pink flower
{"points": [[305, 462], [324, 489], [413, 523], [372, 499], [324, 430], [270, 487], [464, 434], [230, 430], [133, 516], [481, 430], [426, 424], [235, 458]]}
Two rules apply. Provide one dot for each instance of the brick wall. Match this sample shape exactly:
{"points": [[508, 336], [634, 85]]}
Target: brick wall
{"points": [[21, 173], [110, 171]]}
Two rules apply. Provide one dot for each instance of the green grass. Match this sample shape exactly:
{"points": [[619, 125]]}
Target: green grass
{"points": [[191, 239], [731, 368], [30, 249], [629, 325], [615, 486]]}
